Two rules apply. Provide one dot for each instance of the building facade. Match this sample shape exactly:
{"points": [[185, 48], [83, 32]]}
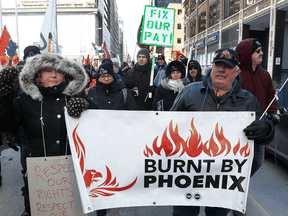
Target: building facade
{"points": [[171, 53], [79, 24], [213, 24]]}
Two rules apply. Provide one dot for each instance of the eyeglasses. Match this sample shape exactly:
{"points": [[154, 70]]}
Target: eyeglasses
{"points": [[190, 68], [226, 55], [106, 77], [258, 51]]}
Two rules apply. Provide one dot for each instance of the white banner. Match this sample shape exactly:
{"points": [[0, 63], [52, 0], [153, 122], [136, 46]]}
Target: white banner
{"points": [[134, 158], [158, 26], [49, 25], [53, 188]]}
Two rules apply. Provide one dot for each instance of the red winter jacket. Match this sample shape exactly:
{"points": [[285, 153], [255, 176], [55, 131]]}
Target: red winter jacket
{"points": [[257, 82]]}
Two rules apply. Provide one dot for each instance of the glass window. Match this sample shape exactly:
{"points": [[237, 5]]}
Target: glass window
{"points": [[250, 2], [193, 5], [201, 1], [193, 28], [214, 13], [179, 40], [179, 26], [230, 37], [179, 11], [187, 8], [231, 7], [202, 21], [201, 56], [185, 33]]}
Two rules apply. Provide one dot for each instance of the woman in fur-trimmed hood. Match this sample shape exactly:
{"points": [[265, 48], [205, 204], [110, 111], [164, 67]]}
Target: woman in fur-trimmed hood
{"points": [[48, 82]]}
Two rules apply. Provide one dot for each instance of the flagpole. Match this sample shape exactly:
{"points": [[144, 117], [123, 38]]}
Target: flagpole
{"points": [[1, 23], [56, 41], [16, 14]]}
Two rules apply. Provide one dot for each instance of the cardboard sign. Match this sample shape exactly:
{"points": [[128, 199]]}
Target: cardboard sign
{"points": [[158, 26], [53, 189], [146, 158]]}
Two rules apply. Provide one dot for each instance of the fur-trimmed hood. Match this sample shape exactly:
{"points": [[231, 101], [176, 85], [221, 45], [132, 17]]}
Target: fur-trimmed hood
{"points": [[67, 66]]}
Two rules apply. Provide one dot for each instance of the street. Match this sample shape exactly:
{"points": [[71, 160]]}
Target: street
{"points": [[268, 193]]}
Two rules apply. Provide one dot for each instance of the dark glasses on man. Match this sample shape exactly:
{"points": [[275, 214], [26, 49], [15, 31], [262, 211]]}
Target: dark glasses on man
{"points": [[258, 50], [190, 68]]}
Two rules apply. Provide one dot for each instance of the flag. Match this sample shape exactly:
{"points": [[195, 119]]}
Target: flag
{"points": [[106, 53], [128, 58], [180, 56], [49, 25], [8, 54], [87, 60]]}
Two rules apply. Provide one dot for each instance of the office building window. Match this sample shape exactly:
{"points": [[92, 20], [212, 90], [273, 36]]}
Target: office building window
{"points": [[201, 1], [250, 2], [179, 12], [231, 7], [179, 40], [185, 33], [202, 21], [214, 13], [179, 26], [187, 8], [230, 37], [193, 28], [193, 5]]}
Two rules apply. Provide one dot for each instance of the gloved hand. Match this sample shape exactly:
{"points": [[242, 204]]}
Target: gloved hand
{"points": [[151, 89], [274, 117], [76, 106], [11, 141], [7, 78], [257, 130]]}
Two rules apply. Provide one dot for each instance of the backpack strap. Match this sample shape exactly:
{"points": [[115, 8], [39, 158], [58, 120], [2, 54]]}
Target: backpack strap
{"points": [[124, 91]]}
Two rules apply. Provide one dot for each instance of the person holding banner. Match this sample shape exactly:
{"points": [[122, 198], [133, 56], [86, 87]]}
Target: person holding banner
{"points": [[171, 85], [138, 79], [221, 90], [49, 83], [194, 71]]}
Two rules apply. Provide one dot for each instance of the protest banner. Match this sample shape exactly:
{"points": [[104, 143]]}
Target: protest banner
{"points": [[158, 26], [145, 158], [53, 188]]}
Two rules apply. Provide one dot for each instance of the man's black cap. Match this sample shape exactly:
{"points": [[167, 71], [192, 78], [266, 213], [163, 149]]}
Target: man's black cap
{"points": [[228, 56]]}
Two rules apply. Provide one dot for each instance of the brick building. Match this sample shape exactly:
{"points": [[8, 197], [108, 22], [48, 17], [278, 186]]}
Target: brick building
{"points": [[213, 24]]}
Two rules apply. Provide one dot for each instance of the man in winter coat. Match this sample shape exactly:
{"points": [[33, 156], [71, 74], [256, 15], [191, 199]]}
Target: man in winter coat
{"points": [[254, 78], [48, 82], [194, 71], [161, 68], [138, 79], [171, 85], [110, 93], [221, 91]]}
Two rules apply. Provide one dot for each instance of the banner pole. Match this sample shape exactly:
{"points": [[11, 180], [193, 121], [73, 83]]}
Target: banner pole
{"points": [[152, 70]]}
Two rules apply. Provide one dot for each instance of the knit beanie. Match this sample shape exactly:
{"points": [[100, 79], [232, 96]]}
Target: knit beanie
{"points": [[145, 52], [255, 45], [105, 69]]}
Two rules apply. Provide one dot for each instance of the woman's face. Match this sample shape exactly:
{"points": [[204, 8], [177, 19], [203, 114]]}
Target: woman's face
{"points": [[50, 77], [175, 75], [106, 79]]}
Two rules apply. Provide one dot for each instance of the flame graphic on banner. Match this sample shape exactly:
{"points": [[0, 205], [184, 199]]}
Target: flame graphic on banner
{"points": [[194, 146], [91, 176]]}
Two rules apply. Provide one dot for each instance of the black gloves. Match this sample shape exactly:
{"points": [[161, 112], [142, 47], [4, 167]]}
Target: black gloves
{"points": [[12, 140], [76, 106], [257, 130], [151, 89], [273, 116], [7, 78]]}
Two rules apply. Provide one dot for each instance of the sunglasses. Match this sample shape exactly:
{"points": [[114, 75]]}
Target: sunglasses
{"points": [[258, 51], [190, 68], [226, 55]]}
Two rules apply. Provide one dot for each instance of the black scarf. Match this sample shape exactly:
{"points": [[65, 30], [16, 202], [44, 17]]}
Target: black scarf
{"points": [[53, 91], [143, 68]]}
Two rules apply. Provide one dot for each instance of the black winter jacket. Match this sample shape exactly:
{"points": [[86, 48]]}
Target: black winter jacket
{"points": [[113, 97], [167, 95], [26, 109], [199, 96]]}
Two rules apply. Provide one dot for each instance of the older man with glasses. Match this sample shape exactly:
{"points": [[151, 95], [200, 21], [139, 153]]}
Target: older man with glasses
{"points": [[220, 91]]}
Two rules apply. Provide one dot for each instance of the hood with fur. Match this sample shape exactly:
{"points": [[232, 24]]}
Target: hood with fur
{"points": [[48, 60]]}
